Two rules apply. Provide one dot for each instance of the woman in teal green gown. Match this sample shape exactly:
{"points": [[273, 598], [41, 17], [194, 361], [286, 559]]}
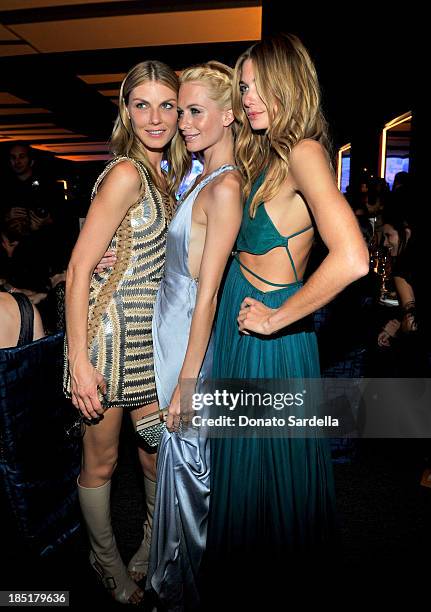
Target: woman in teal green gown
{"points": [[272, 499]]}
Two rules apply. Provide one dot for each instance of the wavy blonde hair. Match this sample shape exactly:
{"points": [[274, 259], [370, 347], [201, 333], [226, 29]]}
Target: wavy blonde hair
{"points": [[286, 81], [124, 140]]}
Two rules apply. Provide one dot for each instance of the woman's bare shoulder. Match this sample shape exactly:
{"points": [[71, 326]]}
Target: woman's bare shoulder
{"points": [[309, 161], [121, 183], [9, 316], [125, 172], [306, 149], [226, 185], [7, 302]]}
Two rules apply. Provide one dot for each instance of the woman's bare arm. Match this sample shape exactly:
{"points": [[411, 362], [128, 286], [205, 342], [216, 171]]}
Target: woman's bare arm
{"points": [[347, 258], [118, 192], [404, 290], [224, 212], [223, 208], [407, 303]]}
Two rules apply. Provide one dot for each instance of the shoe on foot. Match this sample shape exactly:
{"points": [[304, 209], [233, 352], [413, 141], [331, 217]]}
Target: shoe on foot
{"points": [[104, 556]]}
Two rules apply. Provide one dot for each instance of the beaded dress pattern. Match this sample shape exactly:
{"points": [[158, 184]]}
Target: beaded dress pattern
{"points": [[122, 299]]}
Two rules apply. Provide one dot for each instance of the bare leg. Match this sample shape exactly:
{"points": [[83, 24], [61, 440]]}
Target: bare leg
{"points": [[138, 565], [100, 449], [98, 463], [148, 461]]}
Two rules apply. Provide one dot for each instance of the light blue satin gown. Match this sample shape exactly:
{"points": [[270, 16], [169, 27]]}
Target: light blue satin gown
{"points": [[183, 474]]}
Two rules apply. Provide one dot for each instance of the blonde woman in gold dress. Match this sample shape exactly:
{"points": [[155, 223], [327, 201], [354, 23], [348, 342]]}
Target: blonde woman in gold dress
{"points": [[109, 314]]}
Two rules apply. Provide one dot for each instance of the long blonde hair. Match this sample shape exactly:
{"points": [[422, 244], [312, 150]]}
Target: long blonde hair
{"points": [[124, 140], [286, 81]]}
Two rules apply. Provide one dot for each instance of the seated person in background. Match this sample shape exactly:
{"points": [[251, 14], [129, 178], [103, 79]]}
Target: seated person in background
{"points": [[20, 322], [12, 232], [397, 233], [24, 259], [29, 262]]}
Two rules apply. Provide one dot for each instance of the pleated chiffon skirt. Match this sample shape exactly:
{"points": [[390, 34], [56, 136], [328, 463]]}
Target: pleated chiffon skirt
{"points": [[272, 499]]}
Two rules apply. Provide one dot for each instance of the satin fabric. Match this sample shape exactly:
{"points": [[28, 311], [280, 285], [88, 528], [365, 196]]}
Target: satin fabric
{"points": [[182, 499]]}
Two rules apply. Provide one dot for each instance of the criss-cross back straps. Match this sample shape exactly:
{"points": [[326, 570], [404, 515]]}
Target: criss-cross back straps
{"points": [[288, 251]]}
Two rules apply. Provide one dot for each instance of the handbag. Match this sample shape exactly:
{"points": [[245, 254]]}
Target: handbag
{"points": [[150, 429]]}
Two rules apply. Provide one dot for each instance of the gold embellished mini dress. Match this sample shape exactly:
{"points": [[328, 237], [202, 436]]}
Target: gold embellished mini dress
{"points": [[122, 300]]}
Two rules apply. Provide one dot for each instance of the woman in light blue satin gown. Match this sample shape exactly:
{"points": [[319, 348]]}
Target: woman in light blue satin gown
{"points": [[199, 241]]}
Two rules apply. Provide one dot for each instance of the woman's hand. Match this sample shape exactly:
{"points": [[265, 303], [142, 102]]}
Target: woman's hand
{"points": [[388, 332], [36, 297], [85, 382], [57, 278], [255, 316], [174, 410], [108, 261]]}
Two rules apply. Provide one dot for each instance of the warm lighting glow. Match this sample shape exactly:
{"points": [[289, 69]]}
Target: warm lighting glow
{"points": [[74, 147], [341, 150], [383, 141], [96, 79], [64, 183], [203, 26], [85, 158]]}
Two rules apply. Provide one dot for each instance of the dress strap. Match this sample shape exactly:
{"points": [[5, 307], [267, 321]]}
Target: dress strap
{"points": [[292, 262], [300, 232], [288, 251], [264, 279], [225, 168], [27, 318]]}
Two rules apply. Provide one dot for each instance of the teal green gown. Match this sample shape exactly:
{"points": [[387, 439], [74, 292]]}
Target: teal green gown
{"points": [[272, 499]]}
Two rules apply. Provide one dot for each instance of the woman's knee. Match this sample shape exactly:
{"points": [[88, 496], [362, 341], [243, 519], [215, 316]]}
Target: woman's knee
{"points": [[100, 466], [148, 463]]}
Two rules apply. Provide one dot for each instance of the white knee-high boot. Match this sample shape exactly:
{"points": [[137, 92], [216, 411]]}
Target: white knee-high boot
{"points": [[138, 565], [104, 556]]}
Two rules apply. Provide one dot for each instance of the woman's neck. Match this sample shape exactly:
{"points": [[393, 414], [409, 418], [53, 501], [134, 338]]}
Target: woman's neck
{"points": [[155, 160], [219, 154]]}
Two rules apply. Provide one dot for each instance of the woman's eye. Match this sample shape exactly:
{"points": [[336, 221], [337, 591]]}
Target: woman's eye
{"points": [[167, 105], [180, 113], [194, 111], [141, 105], [243, 89]]}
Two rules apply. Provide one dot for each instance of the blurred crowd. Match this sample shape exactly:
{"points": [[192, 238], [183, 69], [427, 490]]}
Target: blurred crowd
{"points": [[378, 326], [36, 235]]}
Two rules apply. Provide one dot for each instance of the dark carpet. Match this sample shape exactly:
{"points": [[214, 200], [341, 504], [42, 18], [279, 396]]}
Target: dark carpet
{"points": [[384, 526]]}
